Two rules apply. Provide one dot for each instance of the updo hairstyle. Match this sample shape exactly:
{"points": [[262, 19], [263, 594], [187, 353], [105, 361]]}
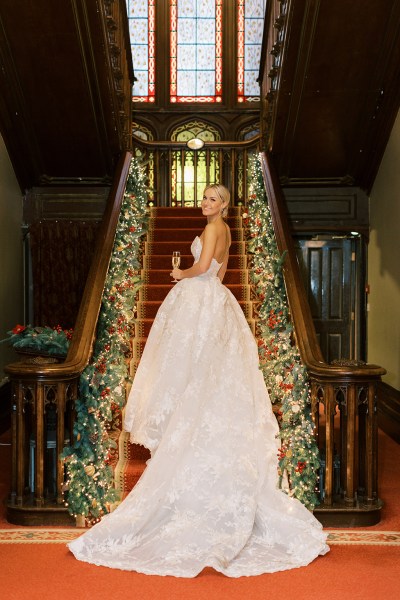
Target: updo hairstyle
{"points": [[223, 193]]}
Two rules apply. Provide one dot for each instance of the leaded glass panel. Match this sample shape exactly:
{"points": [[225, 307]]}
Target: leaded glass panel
{"points": [[196, 50], [141, 16], [250, 26]]}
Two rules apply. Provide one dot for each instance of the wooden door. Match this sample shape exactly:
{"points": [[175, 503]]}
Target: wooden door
{"points": [[332, 278]]}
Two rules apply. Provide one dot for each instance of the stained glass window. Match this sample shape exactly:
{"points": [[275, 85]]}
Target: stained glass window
{"points": [[250, 25], [141, 15], [196, 50], [192, 170]]}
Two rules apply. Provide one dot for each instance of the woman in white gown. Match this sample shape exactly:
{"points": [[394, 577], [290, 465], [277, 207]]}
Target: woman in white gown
{"points": [[208, 496]]}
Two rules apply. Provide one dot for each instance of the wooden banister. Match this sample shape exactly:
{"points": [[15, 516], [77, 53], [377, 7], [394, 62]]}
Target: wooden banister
{"points": [[299, 306], [44, 392], [85, 327], [346, 387]]}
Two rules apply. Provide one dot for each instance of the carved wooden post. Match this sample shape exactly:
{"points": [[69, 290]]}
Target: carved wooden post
{"points": [[371, 447], [351, 403], [329, 442]]}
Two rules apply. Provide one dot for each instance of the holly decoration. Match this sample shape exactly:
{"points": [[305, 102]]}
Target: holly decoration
{"points": [[284, 373], [89, 483]]}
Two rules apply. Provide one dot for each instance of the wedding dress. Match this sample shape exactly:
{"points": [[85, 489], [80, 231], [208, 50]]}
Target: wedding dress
{"points": [[208, 496]]}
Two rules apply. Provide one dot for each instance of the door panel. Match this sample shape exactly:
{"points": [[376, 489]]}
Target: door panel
{"points": [[327, 267]]}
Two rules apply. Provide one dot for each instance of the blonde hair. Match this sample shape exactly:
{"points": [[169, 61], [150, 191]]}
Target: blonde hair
{"points": [[223, 193]]}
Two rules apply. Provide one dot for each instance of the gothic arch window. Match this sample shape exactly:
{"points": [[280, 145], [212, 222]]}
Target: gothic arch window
{"points": [[249, 131], [142, 131], [145, 156], [198, 129], [192, 170]]}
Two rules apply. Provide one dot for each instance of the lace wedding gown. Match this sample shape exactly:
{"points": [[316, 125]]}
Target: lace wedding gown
{"points": [[208, 496]]}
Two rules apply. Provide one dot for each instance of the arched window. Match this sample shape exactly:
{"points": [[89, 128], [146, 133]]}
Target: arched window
{"points": [[192, 170], [145, 156]]}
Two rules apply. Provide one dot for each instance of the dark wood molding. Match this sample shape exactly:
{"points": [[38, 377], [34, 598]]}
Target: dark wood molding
{"points": [[389, 410], [64, 203], [325, 209], [330, 89], [65, 90]]}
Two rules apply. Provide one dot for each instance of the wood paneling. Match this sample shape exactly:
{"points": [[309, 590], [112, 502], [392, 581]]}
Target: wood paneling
{"points": [[331, 94], [65, 203], [64, 113], [341, 209], [326, 266]]}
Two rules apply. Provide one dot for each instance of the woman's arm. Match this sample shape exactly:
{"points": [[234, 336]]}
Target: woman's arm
{"points": [[209, 243]]}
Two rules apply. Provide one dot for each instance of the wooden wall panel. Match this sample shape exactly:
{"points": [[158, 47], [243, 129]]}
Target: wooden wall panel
{"points": [[61, 104], [331, 91]]}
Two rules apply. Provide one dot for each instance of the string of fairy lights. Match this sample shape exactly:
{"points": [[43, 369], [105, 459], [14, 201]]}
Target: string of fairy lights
{"points": [[89, 487], [285, 375]]}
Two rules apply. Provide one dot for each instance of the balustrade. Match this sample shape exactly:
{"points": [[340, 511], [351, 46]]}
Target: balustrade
{"points": [[166, 162], [44, 392], [343, 396]]}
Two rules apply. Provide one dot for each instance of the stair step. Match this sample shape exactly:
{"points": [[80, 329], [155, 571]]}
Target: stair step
{"points": [[143, 326], [184, 235], [148, 310], [133, 470], [169, 222], [166, 248], [163, 277], [188, 211], [158, 292], [160, 261]]}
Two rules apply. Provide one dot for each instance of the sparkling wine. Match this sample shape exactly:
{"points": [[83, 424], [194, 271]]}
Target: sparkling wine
{"points": [[176, 261]]}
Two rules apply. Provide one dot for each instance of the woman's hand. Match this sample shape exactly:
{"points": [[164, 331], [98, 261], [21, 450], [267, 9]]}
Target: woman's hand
{"points": [[177, 274]]}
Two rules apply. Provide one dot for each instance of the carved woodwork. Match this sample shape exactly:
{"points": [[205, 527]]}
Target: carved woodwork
{"points": [[330, 86], [65, 101], [349, 388], [233, 158], [41, 386]]}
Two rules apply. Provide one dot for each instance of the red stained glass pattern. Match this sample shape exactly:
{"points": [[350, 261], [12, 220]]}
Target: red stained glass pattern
{"points": [[195, 73], [240, 55], [147, 87], [250, 19]]}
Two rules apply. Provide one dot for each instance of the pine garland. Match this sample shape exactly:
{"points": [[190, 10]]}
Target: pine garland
{"points": [[89, 484], [285, 375]]}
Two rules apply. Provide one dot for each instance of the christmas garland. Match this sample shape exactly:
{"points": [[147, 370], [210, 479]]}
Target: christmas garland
{"points": [[89, 484], [41, 340], [285, 375]]}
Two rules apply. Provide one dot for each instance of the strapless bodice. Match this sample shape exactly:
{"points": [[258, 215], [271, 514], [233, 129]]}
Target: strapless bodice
{"points": [[195, 249]]}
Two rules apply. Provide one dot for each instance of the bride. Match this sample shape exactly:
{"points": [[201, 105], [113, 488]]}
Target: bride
{"points": [[209, 495]]}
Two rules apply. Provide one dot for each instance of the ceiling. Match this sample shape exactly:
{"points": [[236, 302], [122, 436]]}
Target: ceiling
{"points": [[62, 113], [331, 88]]}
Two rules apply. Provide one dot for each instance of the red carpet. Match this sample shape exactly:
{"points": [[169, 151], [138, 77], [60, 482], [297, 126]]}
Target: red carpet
{"points": [[352, 572], [173, 229], [348, 573]]}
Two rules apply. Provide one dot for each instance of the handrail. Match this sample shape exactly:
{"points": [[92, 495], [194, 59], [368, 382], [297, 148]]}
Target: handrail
{"points": [[85, 327], [304, 326], [217, 144]]}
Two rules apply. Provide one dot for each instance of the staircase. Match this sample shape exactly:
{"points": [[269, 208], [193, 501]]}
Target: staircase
{"points": [[174, 229]]}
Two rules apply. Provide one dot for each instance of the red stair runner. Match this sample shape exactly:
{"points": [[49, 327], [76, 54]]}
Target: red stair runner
{"points": [[173, 229]]}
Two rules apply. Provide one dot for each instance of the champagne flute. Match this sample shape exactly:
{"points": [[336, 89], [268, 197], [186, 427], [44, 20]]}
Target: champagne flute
{"points": [[176, 261]]}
